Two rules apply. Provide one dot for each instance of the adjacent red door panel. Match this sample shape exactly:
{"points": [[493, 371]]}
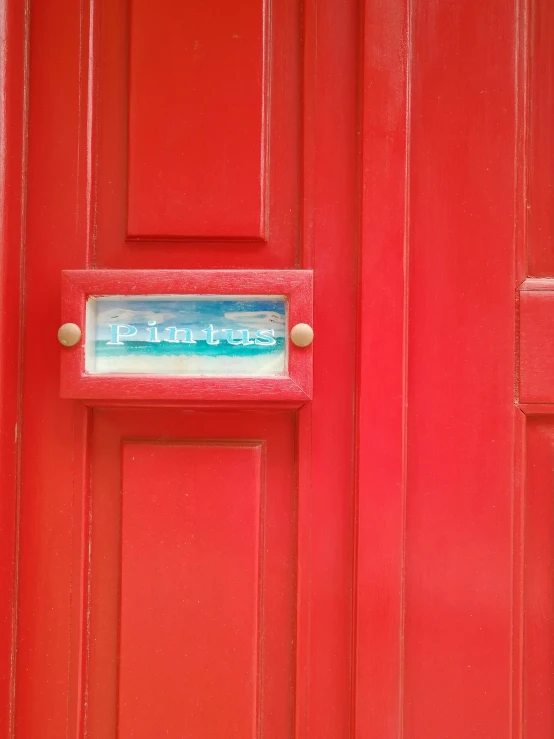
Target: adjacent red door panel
{"points": [[536, 348], [538, 600], [534, 499]]}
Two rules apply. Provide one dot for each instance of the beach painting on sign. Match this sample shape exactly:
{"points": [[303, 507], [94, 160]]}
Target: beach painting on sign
{"points": [[216, 335]]}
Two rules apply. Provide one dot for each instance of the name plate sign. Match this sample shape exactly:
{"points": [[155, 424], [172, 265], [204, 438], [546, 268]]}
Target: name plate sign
{"points": [[186, 336], [198, 335]]}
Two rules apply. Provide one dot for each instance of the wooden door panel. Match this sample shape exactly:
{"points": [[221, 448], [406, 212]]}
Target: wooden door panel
{"points": [[538, 584], [536, 348], [192, 574], [537, 151], [190, 569], [197, 96], [197, 135]]}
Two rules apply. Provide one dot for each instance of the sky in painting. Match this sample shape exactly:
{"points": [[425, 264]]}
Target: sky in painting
{"points": [[195, 313]]}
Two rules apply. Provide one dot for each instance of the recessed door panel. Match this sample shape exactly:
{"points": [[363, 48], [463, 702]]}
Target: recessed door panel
{"points": [[197, 119], [192, 574], [190, 569], [538, 590], [195, 153], [536, 351], [537, 152]]}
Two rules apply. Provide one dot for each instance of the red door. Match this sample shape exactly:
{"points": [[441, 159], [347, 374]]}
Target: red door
{"points": [[185, 566], [221, 558]]}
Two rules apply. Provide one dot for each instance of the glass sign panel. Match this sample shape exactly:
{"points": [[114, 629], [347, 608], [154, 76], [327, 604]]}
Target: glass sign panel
{"points": [[186, 335]]}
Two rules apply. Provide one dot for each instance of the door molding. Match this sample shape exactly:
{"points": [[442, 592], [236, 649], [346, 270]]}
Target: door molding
{"points": [[13, 161]]}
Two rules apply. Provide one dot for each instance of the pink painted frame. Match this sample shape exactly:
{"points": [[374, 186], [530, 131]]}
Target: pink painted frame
{"points": [[79, 285]]}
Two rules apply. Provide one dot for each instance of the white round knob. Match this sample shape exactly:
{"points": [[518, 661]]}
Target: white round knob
{"points": [[69, 334], [302, 334]]}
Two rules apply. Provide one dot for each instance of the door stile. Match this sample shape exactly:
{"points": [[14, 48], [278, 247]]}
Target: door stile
{"points": [[533, 596], [382, 402], [521, 233], [457, 290], [13, 162], [52, 612], [83, 418], [518, 575], [326, 516], [522, 152]]}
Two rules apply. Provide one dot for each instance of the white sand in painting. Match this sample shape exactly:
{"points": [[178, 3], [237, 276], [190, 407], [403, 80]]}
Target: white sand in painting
{"points": [[190, 365]]}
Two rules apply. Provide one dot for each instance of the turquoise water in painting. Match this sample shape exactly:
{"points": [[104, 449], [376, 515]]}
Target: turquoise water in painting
{"points": [[200, 348]]}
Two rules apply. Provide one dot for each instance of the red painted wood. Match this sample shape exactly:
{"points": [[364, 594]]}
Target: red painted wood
{"points": [[382, 371], [190, 572], [265, 118], [238, 489], [53, 450], [533, 534], [67, 683], [295, 285], [13, 121], [538, 586], [216, 129], [540, 146], [324, 708], [457, 626], [434, 567], [533, 557], [518, 617], [439, 575], [536, 365]]}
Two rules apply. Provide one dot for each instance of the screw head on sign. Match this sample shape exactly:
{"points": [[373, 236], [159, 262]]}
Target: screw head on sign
{"points": [[302, 334], [69, 334]]}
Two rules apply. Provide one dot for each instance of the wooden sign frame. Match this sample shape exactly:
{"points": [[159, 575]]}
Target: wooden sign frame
{"points": [[78, 285]]}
